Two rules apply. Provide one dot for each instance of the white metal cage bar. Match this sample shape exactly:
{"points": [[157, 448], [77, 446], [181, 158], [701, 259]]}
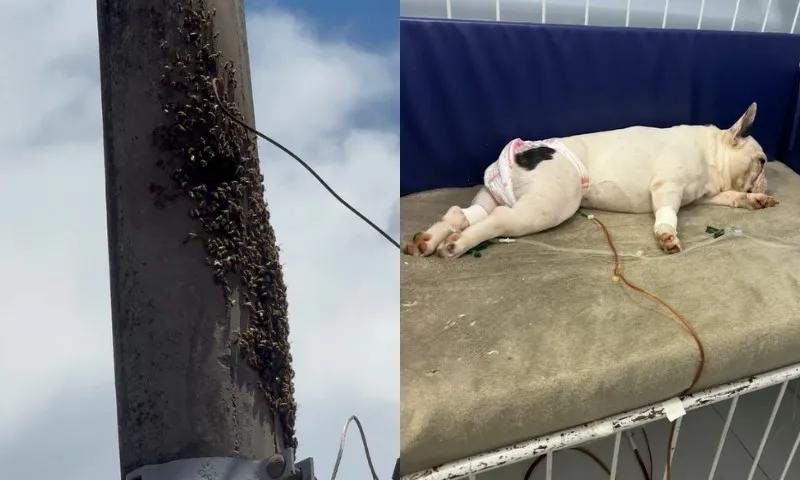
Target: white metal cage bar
{"points": [[791, 457], [735, 14], [628, 14], [586, 12], [673, 444], [544, 11], [615, 458], [767, 430], [794, 22], [722, 437], [549, 461], [700, 15], [766, 16], [608, 426]]}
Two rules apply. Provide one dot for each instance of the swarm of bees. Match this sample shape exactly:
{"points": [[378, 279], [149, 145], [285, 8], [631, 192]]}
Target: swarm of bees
{"points": [[213, 162]]}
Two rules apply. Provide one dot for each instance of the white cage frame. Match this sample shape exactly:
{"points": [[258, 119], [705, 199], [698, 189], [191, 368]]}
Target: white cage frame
{"points": [[617, 424], [588, 4]]}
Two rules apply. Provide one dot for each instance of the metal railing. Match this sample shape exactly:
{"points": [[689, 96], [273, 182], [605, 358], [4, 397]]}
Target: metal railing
{"points": [[617, 424], [645, 7]]}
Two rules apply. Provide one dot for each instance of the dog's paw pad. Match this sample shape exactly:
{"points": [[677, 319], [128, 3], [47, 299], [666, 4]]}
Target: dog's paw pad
{"points": [[757, 201], [418, 244], [669, 242], [421, 240], [448, 248]]}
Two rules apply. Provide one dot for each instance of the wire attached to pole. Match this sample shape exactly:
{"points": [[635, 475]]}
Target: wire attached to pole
{"points": [[305, 165], [363, 442]]}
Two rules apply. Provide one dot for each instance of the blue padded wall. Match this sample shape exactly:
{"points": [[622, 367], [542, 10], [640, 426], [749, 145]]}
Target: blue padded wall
{"points": [[467, 88]]}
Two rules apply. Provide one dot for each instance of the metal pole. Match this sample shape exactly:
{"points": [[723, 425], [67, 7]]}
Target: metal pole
{"points": [[202, 365]]}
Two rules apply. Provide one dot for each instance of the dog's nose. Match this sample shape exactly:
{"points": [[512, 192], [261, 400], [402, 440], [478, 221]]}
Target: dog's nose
{"points": [[749, 190]]}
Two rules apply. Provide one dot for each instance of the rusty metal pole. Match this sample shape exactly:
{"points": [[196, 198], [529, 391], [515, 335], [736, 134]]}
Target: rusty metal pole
{"points": [[202, 367]]}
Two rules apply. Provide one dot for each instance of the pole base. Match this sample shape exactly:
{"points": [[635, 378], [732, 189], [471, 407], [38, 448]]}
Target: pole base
{"points": [[278, 467]]}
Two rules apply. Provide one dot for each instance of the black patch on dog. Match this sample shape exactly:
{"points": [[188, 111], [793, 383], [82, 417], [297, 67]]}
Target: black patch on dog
{"points": [[530, 158]]}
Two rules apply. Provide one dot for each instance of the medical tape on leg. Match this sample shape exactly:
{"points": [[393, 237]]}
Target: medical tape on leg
{"points": [[474, 214], [666, 216]]}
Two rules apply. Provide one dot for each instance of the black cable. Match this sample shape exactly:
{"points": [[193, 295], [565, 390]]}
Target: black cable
{"points": [[649, 450], [600, 463], [305, 165], [639, 460], [647, 475]]}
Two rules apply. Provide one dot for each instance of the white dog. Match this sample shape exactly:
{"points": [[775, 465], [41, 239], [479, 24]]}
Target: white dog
{"points": [[534, 186]]}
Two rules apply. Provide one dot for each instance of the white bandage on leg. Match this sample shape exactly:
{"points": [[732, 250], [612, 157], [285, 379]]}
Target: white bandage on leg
{"points": [[474, 214], [666, 216]]}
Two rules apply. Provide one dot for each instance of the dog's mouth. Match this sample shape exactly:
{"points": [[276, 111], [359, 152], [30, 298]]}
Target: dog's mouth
{"points": [[759, 184]]}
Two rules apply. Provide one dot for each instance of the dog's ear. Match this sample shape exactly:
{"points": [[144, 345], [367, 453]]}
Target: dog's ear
{"points": [[741, 128]]}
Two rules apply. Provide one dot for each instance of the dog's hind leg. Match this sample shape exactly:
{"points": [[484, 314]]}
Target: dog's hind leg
{"points": [[529, 215], [454, 221]]}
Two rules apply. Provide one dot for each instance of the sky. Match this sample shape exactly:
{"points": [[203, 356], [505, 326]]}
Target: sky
{"points": [[57, 406]]}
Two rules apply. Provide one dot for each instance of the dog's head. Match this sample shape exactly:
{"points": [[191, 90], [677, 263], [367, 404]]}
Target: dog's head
{"points": [[744, 156]]}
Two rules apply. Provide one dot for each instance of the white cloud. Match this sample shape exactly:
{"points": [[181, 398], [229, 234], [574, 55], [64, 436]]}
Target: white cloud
{"points": [[342, 278]]}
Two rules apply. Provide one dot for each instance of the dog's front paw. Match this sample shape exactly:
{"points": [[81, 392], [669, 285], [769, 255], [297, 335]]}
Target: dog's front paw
{"points": [[668, 239], [757, 201]]}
